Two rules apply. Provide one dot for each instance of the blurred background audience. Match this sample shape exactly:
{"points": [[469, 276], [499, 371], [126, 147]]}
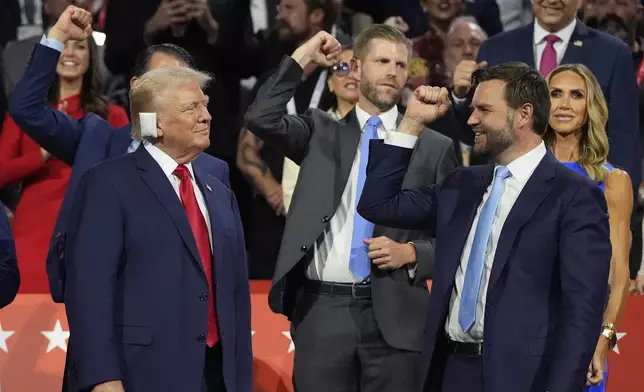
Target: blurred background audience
{"points": [[241, 42]]}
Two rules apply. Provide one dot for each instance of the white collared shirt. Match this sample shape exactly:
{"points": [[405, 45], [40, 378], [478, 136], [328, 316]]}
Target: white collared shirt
{"points": [[539, 42], [331, 254], [521, 169], [168, 165]]}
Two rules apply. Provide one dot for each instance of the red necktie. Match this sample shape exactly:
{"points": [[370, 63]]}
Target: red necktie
{"points": [[549, 55], [200, 231]]}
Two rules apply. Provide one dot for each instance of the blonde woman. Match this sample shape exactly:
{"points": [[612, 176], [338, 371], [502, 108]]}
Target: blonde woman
{"points": [[345, 89], [577, 137]]}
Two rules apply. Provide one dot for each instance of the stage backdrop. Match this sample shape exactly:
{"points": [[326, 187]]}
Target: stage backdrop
{"points": [[34, 333]]}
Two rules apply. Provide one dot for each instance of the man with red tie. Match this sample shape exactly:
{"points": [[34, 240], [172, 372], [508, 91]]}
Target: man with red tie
{"points": [[157, 292]]}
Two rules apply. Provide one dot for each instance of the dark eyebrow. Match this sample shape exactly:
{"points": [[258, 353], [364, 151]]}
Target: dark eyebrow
{"points": [[480, 106]]}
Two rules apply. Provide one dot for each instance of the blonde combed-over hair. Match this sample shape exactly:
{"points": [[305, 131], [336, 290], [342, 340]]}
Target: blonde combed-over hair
{"points": [[150, 93]]}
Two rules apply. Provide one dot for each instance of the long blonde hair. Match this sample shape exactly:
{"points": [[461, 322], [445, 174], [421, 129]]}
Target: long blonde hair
{"points": [[593, 147]]}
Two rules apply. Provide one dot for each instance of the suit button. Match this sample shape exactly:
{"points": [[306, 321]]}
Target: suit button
{"points": [[201, 338], [325, 219], [59, 234], [303, 249], [203, 297]]}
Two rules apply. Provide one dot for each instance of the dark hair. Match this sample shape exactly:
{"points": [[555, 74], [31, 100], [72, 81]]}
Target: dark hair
{"points": [[523, 85], [92, 99], [143, 59], [377, 31], [327, 7]]}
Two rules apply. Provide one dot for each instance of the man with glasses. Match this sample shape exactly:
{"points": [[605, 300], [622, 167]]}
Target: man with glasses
{"points": [[355, 293]]}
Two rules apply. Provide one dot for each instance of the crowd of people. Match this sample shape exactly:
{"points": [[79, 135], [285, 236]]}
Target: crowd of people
{"points": [[346, 150]]}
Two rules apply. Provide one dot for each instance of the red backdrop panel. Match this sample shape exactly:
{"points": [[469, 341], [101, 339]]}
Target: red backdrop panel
{"points": [[34, 356]]}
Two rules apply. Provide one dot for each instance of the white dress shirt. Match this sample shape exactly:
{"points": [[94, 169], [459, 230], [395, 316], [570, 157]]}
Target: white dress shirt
{"points": [[331, 253], [539, 43], [521, 169], [169, 165]]}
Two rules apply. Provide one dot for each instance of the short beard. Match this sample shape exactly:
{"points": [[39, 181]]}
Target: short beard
{"points": [[498, 142], [370, 92]]}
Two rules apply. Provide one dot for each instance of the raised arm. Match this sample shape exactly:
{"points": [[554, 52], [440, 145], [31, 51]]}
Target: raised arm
{"points": [[585, 254], [56, 132], [267, 116]]}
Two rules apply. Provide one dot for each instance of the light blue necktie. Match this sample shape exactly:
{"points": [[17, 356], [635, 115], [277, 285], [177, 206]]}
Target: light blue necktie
{"points": [[359, 262], [474, 273]]}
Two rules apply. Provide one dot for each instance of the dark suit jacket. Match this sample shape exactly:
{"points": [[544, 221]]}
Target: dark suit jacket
{"points": [[326, 148], [610, 60], [548, 283], [80, 144], [9, 275], [136, 295]]}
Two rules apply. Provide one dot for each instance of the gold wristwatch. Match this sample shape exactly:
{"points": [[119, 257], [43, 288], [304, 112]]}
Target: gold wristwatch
{"points": [[609, 333]]}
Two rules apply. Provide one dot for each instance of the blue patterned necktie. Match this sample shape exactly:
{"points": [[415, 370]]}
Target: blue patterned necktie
{"points": [[359, 262], [474, 273]]}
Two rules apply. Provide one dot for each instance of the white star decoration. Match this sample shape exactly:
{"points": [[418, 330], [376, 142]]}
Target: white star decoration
{"points": [[57, 337], [4, 335], [619, 336], [291, 347]]}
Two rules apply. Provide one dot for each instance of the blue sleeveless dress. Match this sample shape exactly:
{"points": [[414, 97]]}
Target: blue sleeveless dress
{"points": [[577, 167]]}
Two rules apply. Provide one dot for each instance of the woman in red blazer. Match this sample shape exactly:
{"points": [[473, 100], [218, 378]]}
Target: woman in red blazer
{"points": [[76, 91]]}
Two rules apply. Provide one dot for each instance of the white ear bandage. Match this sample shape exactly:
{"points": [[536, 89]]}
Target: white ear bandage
{"points": [[148, 125]]}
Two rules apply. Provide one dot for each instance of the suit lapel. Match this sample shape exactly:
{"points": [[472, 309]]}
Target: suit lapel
{"points": [[159, 184], [347, 146], [203, 179], [575, 46], [530, 198], [470, 195]]}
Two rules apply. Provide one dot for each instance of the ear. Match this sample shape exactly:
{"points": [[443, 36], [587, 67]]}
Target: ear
{"points": [[133, 80], [160, 127], [355, 66], [524, 115], [329, 85], [317, 17]]}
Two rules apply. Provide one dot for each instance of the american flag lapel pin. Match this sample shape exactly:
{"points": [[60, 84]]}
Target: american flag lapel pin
{"points": [[578, 43], [209, 188]]}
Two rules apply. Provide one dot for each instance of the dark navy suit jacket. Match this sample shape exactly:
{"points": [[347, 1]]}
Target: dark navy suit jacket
{"points": [[610, 60], [136, 294], [549, 280], [9, 276], [81, 144]]}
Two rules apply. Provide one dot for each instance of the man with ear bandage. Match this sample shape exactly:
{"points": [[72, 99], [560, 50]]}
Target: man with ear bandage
{"points": [[84, 143], [157, 293]]}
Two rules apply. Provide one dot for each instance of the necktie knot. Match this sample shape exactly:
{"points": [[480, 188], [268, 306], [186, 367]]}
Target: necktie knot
{"points": [[551, 39], [502, 172], [374, 121], [181, 172]]}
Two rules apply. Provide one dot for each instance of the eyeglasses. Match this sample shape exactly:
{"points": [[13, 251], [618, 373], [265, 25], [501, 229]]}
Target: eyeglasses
{"points": [[340, 69]]}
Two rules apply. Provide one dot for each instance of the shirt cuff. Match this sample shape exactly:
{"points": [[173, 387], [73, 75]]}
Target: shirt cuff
{"points": [[458, 100], [52, 43], [401, 139], [411, 270]]}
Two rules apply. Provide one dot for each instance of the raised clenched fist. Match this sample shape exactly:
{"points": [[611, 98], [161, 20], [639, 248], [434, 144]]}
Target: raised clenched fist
{"points": [[322, 49], [428, 104], [462, 80], [74, 24]]}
